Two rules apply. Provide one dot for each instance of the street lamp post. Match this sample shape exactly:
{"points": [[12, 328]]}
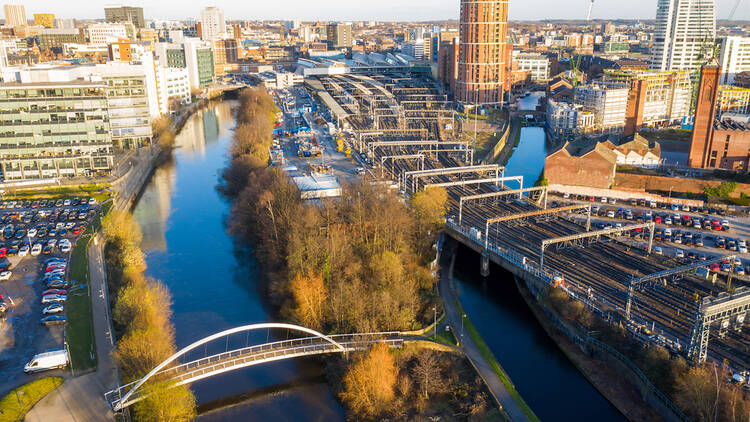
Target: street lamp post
{"points": [[434, 323], [670, 191], [461, 341], [18, 396]]}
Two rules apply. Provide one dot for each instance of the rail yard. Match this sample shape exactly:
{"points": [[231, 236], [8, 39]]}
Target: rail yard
{"points": [[402, 128]]}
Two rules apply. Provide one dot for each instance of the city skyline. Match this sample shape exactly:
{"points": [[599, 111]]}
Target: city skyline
{"points": [[388, 10]]}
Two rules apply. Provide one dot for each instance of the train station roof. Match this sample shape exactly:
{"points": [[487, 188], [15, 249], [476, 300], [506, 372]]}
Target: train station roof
{"points": [[328, 101]]}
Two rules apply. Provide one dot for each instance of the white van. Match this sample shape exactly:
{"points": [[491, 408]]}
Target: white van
{"points": [[48, 360]]}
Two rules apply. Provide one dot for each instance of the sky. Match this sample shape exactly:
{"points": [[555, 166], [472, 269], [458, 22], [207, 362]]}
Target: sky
{"points": [[387, 10]]}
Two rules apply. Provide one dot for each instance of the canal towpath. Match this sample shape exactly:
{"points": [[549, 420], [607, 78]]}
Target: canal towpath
{"points": [[472, 352]]}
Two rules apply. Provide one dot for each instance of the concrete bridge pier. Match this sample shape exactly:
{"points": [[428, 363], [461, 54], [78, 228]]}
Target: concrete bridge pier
{"points": [[485, 265]]}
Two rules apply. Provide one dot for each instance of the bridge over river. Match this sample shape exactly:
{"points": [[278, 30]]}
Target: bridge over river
{"points": [[184, 367]]}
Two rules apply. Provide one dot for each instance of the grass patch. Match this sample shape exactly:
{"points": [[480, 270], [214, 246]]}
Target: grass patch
{"points": [[487, 354], [667, 135], [485, 140], [515, 125], [94, 189], [79, 331], [15, 405], [444, 337]]}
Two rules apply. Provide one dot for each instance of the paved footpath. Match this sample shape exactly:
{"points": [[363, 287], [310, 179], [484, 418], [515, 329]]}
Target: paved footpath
{"points": [[81, 399], [470, 349]]}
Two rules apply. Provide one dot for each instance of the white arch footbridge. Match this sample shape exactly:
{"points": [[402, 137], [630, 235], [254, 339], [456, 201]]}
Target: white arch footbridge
{"points": [[176, 373]]}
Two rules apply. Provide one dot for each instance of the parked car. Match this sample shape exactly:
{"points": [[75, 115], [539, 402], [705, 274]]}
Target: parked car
{"points": [[55, 308], [55, 292], [5, 275], [54, 299], [36, 249], [57, 284], [53, 320]]}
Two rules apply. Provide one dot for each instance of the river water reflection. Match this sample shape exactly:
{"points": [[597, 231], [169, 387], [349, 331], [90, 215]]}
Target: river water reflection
{"points": [[213, 284]]}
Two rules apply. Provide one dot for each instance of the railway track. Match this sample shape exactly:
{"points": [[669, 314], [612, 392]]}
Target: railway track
{"points": [[601, 271]]}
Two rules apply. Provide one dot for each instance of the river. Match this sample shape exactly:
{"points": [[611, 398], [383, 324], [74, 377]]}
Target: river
{"points": [[554, 388], [541, 372], [528, 157], [213, 284]]}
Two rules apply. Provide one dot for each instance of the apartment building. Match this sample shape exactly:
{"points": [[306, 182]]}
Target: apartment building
{"points": [[56, 38], [734, 58], [213, 25], [193, 54], [174, 87], [732, 99], [130, 14], [104, 33], [655, 99], [483, 63], [46, 20], [15, 15], [339, 35], [536, 64], [565, 119], [608, 104], [685, 32]]}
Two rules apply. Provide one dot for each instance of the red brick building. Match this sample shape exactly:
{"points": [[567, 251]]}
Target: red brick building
{"points": [[702, 153], [448, 63], [483, 64], [592, 166], [730, 146]]}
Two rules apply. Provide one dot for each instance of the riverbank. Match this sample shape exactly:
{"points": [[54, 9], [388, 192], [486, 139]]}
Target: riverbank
{"points": [[610, 383], [80, 398], [484, 363], [131, 184]]}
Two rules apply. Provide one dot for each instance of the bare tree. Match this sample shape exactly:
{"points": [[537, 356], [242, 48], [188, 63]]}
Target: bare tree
{"points": [[427, 373]]}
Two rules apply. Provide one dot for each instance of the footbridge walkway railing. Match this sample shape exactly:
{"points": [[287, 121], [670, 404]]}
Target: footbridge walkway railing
{"points": [[211, 364]]}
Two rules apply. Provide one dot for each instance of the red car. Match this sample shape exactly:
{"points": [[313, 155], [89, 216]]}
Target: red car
{"points": [[3, 252], [55, 292], [77, 231], [715, 268], [55, 267]]}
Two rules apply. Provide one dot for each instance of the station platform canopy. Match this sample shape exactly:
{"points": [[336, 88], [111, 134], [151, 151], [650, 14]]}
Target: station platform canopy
{"points": [[328, 101]]}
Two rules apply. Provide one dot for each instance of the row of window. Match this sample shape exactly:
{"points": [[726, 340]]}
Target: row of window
{"points": [[52, 92]]}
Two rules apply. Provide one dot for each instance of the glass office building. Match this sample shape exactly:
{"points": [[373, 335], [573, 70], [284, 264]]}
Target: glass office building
{"points": [[50, 130]]}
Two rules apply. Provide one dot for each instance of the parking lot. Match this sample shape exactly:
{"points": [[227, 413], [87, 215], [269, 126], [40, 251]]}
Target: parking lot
{"points": [[32, 233], [681, 232]]}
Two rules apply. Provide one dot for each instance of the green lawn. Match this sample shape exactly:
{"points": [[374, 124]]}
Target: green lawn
{"points": [[487, 354], [516, 139], [15, 405], [445, 337], [79, 331], [62, 192]]}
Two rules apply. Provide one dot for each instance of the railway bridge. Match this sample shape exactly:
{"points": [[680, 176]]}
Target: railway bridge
{"points": [[195, 362]]}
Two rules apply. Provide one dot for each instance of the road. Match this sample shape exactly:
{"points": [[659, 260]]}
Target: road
{"points": [[81, 399], [470, 349]]}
